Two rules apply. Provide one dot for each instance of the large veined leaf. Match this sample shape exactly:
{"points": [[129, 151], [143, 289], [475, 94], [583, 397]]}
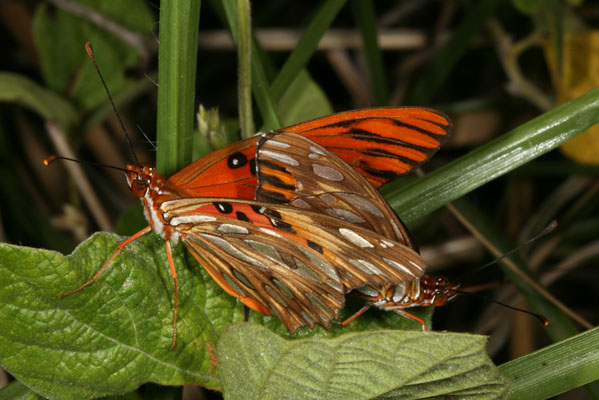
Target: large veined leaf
{"points": [[254, 363], [115, 334]]}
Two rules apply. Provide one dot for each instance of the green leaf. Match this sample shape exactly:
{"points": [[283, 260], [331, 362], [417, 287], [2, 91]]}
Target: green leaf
{"points": [[555, 369], [303, 100], [115, 334], [60, 37], [256, 364], [366, 20], [49, 105], [306, 47], [17, 391], [529, 6]]}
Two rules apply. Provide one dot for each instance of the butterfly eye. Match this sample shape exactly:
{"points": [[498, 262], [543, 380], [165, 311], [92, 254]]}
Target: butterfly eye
{"points": [[139, 187]]}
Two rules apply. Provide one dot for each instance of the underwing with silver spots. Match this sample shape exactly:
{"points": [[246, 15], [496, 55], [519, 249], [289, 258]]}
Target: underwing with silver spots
{"points": [[286, 165]]}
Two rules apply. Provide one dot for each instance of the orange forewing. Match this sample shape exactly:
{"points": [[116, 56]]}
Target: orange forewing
{"points": [[380, 143]]}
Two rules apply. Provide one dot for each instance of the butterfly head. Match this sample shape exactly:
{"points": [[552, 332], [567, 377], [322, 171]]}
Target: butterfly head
{"points": [[438, 291], [140, 178]]}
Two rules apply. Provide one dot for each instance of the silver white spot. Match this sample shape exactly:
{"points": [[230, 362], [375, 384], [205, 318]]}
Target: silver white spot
{"points": [[416, 265], [232, 250], [368, 291], [316, 150], [300, 203], [327, 198], [322, 265], [284, 158], [276, 143], [399, 293], [270, 232], [345, 215], [327, 172], [233, 229], [367, 267], [416, 293], [191, 219], [361, 202], [354, 238], [386, 243], [397, 265]]}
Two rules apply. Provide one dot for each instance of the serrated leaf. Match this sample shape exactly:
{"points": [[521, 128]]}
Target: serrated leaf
{"points": [[115, 334], [254, 363]]}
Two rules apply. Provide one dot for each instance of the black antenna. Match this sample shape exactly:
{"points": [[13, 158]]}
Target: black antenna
{"points": [[548, 229], [540, 317], [51, 159], [90, 53]]}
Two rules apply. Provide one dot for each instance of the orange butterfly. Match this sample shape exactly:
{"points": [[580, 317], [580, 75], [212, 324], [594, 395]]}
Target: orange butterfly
{"points": [[287, 164], [296, 260]]}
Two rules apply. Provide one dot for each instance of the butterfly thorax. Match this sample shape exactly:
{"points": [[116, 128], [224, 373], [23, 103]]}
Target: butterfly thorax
{"points": [[152, 189], [425, 291]]}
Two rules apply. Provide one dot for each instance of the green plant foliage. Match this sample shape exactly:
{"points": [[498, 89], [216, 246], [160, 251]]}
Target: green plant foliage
{"points": [[303, 101], [49, 105], [114, 335], [556, 368], [60, 38], [528, 6], [256, 364], [17, 391]]}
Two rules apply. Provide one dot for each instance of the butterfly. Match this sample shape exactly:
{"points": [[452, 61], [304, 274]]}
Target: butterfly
{"points": [[242, 215], [286, 165]]}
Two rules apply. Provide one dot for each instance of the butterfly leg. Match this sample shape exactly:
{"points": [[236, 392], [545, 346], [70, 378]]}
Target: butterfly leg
{"points": [[356, 315], [171, 265], [120, 247], [412, 317]]}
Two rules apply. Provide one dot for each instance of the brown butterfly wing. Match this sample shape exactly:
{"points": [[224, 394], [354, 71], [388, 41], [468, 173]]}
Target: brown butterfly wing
{"points": [[324, 245], [292, 169]]}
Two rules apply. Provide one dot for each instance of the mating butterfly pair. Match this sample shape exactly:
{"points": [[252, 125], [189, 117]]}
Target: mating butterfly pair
{"points": [[290, 221]]}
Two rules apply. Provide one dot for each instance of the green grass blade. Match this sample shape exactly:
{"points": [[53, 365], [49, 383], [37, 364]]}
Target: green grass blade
{"points": [[305, 47], [244, 55], [446, 58], [556, 368], [494, 159], [366, 21], [260, 84], [177, 59]]}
